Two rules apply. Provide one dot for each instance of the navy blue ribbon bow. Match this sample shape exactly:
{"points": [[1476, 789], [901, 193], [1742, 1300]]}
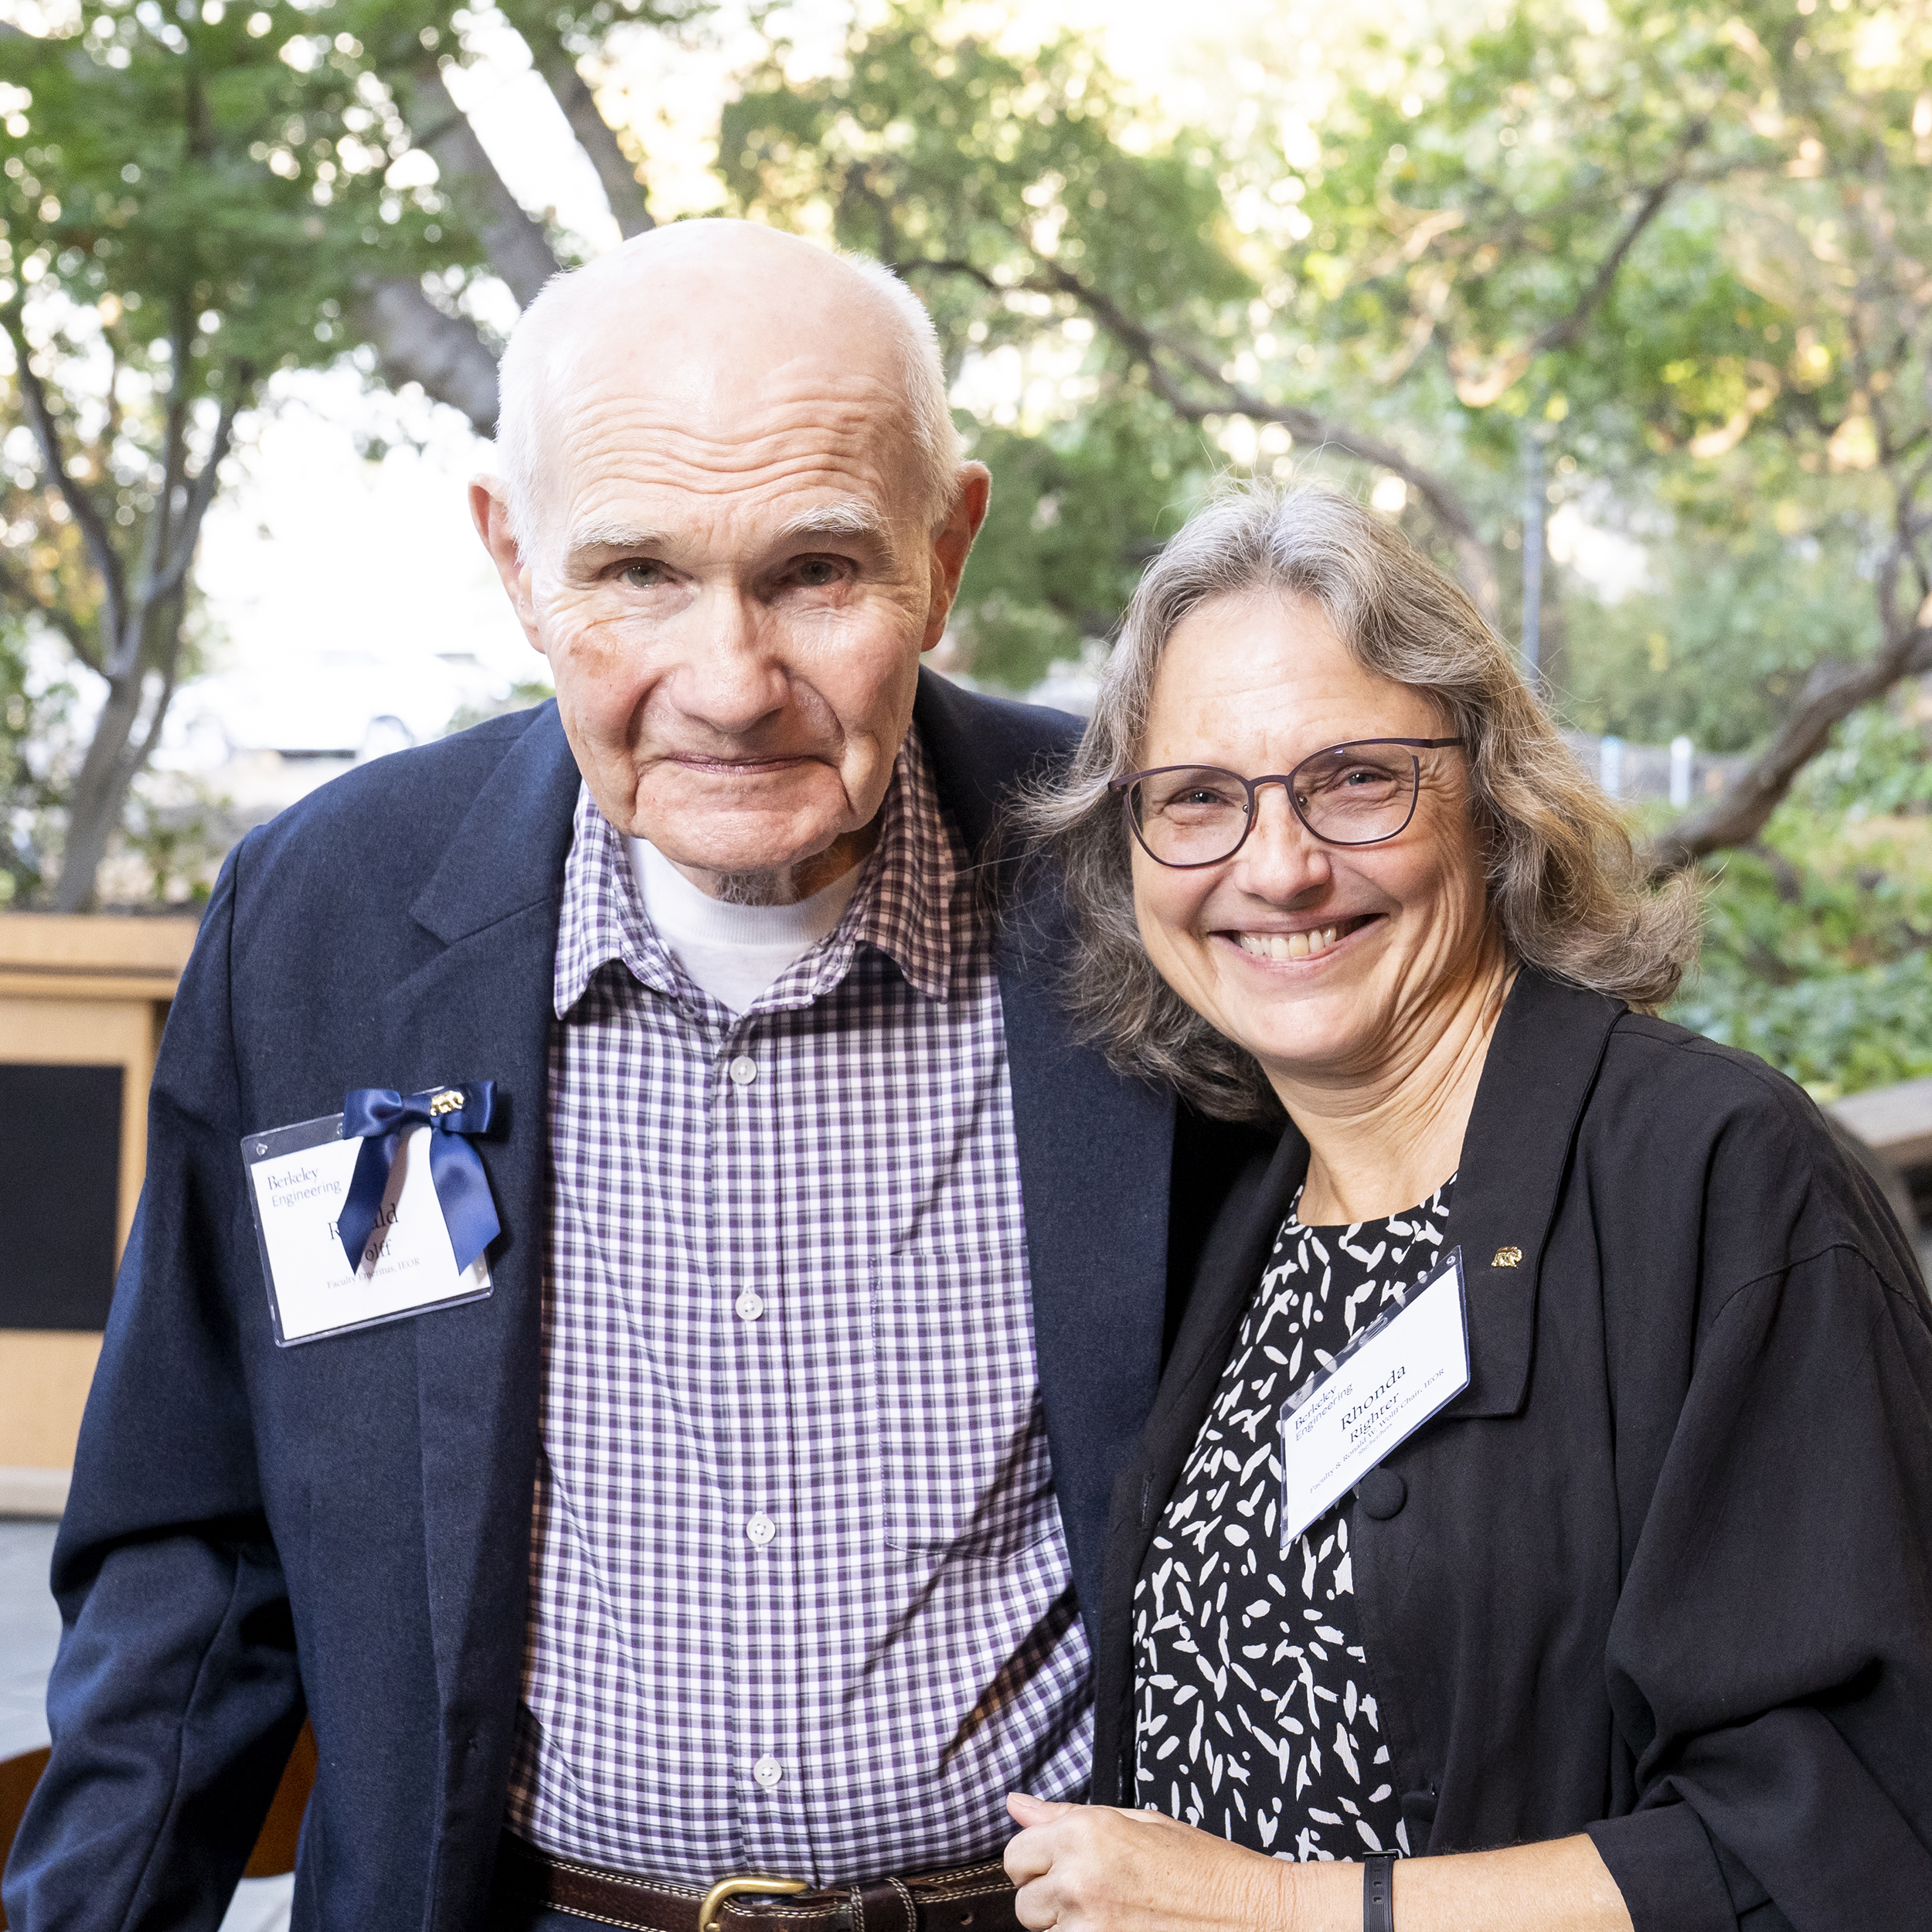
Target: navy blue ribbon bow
{"points": [[381, 1117]]}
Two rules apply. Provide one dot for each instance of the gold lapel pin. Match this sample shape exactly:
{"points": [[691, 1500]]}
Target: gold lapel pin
{"points": [[448, 1101], [1507, 1258]]}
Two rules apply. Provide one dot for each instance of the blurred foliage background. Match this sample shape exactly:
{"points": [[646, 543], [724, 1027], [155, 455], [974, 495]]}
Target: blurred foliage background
{"points": [[1625, 302]]}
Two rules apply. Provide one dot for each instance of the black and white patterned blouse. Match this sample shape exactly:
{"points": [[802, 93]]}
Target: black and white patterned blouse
{"points": [[1256, 1714]]}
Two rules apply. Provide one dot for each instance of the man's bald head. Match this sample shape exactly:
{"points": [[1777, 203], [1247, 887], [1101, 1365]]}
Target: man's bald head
{"points": [[698, 310]]}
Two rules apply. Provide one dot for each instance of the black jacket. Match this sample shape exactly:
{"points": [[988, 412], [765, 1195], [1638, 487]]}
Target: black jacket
{"points": [[344, 1528], [1664, 1571]]}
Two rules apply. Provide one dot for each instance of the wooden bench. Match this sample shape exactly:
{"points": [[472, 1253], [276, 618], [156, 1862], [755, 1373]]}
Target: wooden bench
{"points": [[1889, 1130], [1894, 1122]]}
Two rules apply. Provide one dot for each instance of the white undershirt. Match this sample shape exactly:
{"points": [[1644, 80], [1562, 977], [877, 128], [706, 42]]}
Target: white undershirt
{"points": [[735, 953]]}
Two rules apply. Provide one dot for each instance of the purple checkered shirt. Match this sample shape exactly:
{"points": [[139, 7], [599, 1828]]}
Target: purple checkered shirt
{"points": [[800, 1600]]}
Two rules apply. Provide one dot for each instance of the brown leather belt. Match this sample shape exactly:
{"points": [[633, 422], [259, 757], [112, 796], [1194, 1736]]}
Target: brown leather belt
{"points": [[970, 1898]]}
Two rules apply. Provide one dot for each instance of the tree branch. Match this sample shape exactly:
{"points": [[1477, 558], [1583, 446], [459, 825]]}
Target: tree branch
{"points": [[1493, 217], [202, 492], [553, 59], [1893, 622], [126, 660], [80, 505], [416, 342], [111, 434], [69, 627], [133, 761], [517, 248], [1560, 334], [1832, 693], [1147, 345]]}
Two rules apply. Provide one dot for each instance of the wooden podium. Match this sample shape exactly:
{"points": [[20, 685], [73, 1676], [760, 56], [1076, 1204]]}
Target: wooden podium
{"points": [[82, 1002]]}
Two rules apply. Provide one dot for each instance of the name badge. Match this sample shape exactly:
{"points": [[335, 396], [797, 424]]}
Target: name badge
{"points": [[298, 1176], [1384, 1386]]}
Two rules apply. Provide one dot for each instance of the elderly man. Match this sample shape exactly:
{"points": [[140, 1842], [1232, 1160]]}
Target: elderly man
{"points": [[723, 1530]]}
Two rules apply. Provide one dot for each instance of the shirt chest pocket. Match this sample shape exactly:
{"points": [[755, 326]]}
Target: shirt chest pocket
{"points": [[961, 1429]]}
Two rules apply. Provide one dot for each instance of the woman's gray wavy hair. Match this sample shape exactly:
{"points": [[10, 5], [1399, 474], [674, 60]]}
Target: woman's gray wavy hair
{"points": [[1565, 887]]}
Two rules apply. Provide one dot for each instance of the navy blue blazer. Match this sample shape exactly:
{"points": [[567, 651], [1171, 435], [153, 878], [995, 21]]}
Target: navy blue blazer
{"points": [[343, 1528]]}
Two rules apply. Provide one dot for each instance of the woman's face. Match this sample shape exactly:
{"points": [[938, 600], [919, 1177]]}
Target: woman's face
{"points": [[1379, 938]]}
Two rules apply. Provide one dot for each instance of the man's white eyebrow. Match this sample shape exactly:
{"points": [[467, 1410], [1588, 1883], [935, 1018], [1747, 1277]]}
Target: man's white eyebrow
{"points": [[614, 536], [851, 517]]}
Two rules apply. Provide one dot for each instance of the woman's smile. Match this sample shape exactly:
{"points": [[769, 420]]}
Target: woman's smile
{"points": [[1282, 944], [1323, 958]]}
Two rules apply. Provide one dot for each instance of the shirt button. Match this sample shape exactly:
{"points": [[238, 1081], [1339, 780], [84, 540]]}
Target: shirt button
{"points": [[1383, 1493], [743, 1071], [761, 1529], [767, 1771], [749, 1305]]}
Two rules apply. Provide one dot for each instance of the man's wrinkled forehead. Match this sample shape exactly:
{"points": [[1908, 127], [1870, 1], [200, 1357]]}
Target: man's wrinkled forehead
{"points": [[728, 407]]}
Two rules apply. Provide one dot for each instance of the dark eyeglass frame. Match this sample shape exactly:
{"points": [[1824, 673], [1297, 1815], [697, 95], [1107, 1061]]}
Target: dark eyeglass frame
{"points": [[1286, 780]]}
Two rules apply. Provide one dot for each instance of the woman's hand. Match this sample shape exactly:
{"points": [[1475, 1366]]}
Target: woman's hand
{"points": [[1090, 1868]]}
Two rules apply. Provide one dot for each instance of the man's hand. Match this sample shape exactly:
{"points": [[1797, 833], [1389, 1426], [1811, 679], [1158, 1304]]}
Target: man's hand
{"points": [[1090, 1868]]}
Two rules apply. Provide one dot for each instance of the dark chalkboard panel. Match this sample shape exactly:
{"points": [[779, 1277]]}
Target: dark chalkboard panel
{"points": [[59, 1189]]}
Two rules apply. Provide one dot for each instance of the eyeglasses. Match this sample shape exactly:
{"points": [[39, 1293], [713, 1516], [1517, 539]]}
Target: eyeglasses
{"points": [[1352, 794]]}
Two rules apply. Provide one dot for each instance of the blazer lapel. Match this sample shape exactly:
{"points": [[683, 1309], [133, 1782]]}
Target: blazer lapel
{"points": [[1230, 1265], [1541, 1066], [1096, 1210], [1096, 1202], [1224, 1282], [482, 1010]]}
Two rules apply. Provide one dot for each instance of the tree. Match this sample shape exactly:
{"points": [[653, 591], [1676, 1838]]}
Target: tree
{"points": [[192, 199], [415, 338], [1686, 240], [184, 199], [1757, 323], [1676, 249]]}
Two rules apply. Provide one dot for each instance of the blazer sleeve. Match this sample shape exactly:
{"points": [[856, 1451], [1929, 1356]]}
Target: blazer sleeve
{"points": [[1769, 1662], [175, 1699]]}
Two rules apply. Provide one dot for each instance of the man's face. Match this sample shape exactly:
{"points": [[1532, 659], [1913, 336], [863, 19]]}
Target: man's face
{"points": [[732, 581]]}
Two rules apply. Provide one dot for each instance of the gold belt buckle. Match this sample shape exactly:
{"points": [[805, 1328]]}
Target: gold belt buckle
{"points": [[746, 1882]]}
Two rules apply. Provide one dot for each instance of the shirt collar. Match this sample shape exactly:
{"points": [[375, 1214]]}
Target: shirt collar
{"points": [[904, 907]]}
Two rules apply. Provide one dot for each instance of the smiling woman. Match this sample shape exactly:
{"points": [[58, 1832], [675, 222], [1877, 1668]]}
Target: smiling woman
{"points": [[1590, 1604], [1564, 890]]}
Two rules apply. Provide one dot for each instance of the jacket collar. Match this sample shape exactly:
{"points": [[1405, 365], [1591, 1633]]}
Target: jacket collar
{"points": [[981, 748], [508, 854], [1541, 1065], [1095, 1151]]}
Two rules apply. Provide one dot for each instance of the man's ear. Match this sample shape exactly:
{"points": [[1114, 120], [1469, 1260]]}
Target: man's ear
{"points": [[953, 542], [490, 512]]}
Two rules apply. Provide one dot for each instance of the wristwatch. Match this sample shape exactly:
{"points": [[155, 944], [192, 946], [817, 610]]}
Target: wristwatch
{"points": [[1379, 1892]]}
